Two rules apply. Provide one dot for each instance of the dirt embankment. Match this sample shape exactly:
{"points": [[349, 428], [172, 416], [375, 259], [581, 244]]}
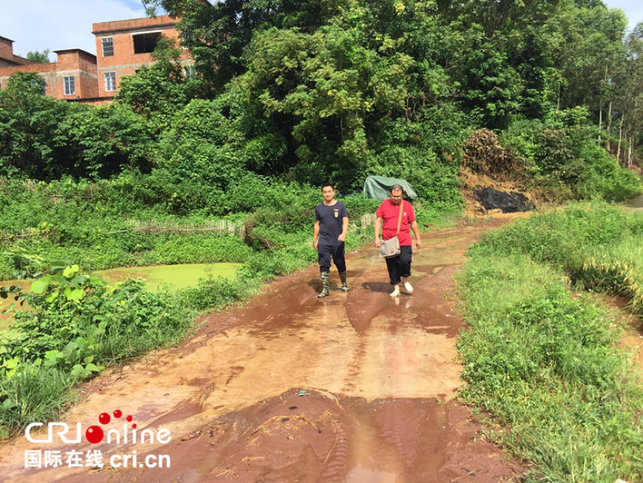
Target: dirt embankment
{"points": [[357, 387]]}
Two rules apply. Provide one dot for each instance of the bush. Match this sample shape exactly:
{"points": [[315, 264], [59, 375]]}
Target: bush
{"points": [[218, 293], [35, 393], [435, 182], [565, 161]]}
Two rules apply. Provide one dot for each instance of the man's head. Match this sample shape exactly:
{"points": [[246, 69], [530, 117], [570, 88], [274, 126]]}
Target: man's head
{"points": [[328, 192], [397, 194]]}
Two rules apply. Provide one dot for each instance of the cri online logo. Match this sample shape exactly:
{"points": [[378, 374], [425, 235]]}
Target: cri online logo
{"points": [[96, 434]]}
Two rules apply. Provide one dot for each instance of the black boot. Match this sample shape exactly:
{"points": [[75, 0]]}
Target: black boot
{"points": [[325, 285], [342, 277]]}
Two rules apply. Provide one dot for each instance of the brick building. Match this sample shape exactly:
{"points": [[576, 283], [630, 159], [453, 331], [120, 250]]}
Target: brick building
{"points": [[7, 58], [123, 47], [73, 76]]}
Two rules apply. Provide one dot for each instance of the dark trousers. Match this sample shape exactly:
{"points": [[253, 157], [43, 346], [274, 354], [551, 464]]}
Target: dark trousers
{"points": [[400, 267], [325, 252]]}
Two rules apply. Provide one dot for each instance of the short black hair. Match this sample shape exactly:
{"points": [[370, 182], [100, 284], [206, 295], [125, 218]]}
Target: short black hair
{"points": [[327, 184], [397, 187]]}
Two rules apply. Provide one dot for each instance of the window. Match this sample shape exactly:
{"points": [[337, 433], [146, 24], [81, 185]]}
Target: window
{"points": [[70, 85], [145, 43], [185, 40], [189, 71], [108, 46], [110, 81]]}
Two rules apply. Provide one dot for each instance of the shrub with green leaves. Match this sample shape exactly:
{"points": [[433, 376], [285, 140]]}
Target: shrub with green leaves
{"points": [[76, 319], [564, 160]]}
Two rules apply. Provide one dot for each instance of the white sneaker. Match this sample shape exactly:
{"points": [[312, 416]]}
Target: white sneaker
{"points": [[408, 287], [395, 292]]}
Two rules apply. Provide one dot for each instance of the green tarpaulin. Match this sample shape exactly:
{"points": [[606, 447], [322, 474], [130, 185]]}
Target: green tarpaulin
{"points": [[379, 188]]}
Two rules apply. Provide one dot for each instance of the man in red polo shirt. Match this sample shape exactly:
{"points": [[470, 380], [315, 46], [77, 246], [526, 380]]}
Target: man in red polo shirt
{"points": [[399, 267]]}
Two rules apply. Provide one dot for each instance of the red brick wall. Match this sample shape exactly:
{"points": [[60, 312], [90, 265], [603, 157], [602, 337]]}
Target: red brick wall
{"points": [[6, 48], [73, 63], [125, 61]]}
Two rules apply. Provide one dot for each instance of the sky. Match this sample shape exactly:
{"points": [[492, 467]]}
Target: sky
{"points": [[632, 8], [36, 25]]}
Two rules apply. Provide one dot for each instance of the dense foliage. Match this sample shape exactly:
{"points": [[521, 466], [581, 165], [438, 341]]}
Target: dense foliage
{"points": [[337, 90], [334, 78]]}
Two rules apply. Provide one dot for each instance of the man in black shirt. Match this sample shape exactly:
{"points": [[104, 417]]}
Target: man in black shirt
{"points": [[331, 226]]}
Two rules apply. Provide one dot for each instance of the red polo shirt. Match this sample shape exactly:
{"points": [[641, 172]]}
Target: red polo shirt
{"points": [[389, 214]]}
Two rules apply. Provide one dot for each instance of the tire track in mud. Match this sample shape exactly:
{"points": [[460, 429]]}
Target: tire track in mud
{"points": [[356, 388]]}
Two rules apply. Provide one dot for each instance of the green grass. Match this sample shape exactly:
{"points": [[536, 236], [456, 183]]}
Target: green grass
{"points": [[35, 394], [540, 359]]}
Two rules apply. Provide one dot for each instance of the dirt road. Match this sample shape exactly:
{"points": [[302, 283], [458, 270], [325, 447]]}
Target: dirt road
{"points": [[357, 387]]}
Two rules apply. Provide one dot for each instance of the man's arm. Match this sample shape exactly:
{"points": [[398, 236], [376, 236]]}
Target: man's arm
{"points": [[315, 234], [342, 236], [416, 232], [378, 227]]}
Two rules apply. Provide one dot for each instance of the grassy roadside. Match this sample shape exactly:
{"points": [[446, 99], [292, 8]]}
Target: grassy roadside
{"points": [[541, 360]]}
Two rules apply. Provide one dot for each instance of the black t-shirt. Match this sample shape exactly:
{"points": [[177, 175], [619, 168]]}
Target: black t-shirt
{"points": [[330, 222]]}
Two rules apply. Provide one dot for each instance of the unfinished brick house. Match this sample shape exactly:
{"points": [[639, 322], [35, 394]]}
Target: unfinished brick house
{"points": [[73, 76], [123, 47]]}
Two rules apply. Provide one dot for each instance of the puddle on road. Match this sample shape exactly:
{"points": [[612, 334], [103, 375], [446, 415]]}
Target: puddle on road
{"points": [[325, 438], [363, 475], [636, 202]]}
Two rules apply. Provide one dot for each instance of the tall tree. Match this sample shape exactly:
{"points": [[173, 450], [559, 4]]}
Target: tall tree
{"points": [[40, 57], [218, 34]]}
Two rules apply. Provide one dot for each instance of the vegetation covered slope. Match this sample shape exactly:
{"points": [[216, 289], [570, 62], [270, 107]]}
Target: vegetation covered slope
{"points": [[545, 361]]}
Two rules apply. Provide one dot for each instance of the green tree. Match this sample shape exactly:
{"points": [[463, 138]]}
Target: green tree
{"points": [[40, 57], [105, 140], [157, 92], [218, 34], [45, 138], [629, 101], [491, 88], [28, 127]]}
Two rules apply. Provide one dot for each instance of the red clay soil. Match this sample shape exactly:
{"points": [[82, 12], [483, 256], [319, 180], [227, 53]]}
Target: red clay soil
{"points": [[356, 387]]}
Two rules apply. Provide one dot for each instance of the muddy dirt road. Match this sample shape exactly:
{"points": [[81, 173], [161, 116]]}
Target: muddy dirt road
{"points": [[356, 387]]}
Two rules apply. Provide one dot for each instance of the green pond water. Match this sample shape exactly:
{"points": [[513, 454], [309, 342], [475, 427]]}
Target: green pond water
{"points": [[177, 276], [635, 202]]}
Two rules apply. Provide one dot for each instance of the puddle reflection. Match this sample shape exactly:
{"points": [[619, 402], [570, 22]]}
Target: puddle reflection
{"points": [[363, 475]]}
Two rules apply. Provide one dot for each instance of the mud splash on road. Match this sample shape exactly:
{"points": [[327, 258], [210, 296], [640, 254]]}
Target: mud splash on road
{"points": [[322, 438], [356, 387]]}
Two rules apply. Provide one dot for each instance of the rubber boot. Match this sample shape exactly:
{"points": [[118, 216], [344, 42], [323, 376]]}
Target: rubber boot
{"points": [[325, 286], [342, 277]]}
